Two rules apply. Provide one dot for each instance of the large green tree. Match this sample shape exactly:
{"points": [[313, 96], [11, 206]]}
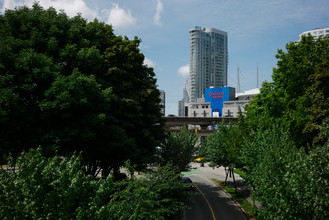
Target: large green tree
{"points": [[178, 148], [285, 101], [57, 188], [72, 85], [222, 148], [287, 155]]}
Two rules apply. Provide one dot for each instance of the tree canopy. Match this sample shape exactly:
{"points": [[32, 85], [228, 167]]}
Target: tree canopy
{"points": [[285, 101], [72, 85], [178, 149], [57, 188], [287, 155]]}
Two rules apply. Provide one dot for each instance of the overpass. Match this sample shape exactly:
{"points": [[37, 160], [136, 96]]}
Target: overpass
{"points": [[201, 123]]}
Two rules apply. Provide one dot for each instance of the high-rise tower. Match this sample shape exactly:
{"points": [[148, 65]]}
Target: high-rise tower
{"points": [[208, 60]]}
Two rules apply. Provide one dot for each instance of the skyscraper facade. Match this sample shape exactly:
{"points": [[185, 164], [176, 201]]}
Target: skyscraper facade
{"points": [[208, 60]]}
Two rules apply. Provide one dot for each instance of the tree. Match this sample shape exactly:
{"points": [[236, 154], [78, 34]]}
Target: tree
{"points": [[288, 182], [222, 148], [319, 110], [78, 120], [285, 101], [178, 148], [137, 105], [287, 121], [57, 188], [69, 85]]}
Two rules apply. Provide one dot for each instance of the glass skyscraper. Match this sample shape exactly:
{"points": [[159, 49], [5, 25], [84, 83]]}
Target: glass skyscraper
{"points": [[208, 60]]}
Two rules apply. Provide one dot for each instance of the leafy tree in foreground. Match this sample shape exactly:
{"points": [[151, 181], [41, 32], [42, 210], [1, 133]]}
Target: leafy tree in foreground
{"points": [[178, 148], [287, 156], [69, 85], [57, 188], [284, 102], [289, 183]]}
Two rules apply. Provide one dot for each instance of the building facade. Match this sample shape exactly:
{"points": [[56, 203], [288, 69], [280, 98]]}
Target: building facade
{"points": [[316, 33], [163, 101], [217, 97], [208, 60], [200, 108], [234, 107]]}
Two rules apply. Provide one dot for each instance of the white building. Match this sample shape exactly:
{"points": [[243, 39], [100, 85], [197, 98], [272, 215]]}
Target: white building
{"points": [[316, 33], [208, 60], [200, 108], [233, 108]]}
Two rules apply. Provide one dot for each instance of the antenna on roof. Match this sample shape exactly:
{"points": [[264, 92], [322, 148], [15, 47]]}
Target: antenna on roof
{"points": [[238, 81], [257, 76]]}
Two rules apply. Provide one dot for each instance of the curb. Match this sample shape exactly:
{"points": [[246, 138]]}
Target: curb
{"points": [[235, 202]]}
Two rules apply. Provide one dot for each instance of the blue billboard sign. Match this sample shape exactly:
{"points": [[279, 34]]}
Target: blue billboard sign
{"points": [[217, 96]]}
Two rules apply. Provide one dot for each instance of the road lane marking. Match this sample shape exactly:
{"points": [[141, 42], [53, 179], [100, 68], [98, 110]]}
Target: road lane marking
{"points": [[212, 212]]}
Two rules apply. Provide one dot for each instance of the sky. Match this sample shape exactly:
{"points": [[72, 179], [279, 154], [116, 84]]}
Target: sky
{"points": [[256, 30]]}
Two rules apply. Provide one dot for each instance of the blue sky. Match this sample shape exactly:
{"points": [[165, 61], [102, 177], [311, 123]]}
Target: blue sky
{"points": [[256, 29]]}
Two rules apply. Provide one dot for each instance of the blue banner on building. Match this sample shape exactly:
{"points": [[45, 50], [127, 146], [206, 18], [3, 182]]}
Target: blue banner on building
{"points": [[217, 96]]}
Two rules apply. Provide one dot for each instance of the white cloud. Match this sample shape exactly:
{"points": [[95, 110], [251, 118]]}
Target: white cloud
{"points": [[120, 17], [184, 71], [157, 15], [149, 62], [71, 8]]}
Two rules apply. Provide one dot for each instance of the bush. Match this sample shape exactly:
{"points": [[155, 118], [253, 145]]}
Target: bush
{"points": [[57, 188]]}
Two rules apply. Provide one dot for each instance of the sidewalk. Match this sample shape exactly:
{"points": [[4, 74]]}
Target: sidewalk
{"points": [[219, 174]]}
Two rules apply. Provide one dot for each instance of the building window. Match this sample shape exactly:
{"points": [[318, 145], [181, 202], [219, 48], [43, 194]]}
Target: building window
{"points": [[204, 113]]}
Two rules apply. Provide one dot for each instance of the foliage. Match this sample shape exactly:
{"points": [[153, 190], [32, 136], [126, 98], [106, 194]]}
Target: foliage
{"points": [[57, 188], [222, 148], [253, 152], [137, 105], [69, 85], [178, 149], [284, 102], [45, 188], [319, 110], [289, 183], [287, 153]]}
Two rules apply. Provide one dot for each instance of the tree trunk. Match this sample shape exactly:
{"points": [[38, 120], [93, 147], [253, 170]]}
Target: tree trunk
{"points": [[226, 175], [232, 170]]}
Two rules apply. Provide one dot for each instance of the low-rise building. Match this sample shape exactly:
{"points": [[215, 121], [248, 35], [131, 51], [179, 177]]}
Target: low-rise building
{"points": [[200, 108], [234, 107]]}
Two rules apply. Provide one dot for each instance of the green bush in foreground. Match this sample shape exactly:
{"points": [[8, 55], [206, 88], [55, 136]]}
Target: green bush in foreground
{"points": [[57, 188]]}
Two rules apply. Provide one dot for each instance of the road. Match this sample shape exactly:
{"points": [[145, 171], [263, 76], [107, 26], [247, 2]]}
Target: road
{"points": [[209, 202]]}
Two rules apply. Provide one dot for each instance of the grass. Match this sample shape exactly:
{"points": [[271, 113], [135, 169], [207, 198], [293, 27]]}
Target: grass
{"points": [[241, 173], [245, 205]]}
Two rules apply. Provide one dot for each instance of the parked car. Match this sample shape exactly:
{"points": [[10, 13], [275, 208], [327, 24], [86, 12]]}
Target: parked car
{"points": [[189, 182], [199, 159]]}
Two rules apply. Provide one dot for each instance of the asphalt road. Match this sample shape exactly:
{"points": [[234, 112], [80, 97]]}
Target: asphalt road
{"points": [[209, 202]]}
